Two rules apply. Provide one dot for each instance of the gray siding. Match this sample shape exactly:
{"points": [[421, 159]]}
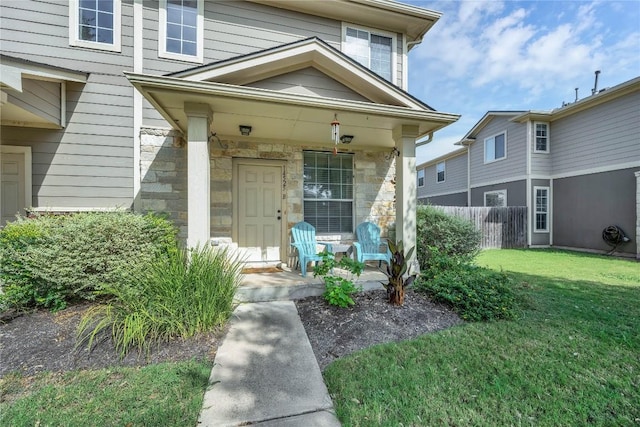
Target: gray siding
{"points": [[541, 163], [516, 193], [309, 81], [605, 135], [90, 162], [584, 205], [234, 28], [515, 163], [457, 199], [39, 97], [455, 177]]}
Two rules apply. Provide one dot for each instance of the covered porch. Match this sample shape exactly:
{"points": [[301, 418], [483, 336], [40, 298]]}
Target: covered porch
{"points": [[245, 161]]}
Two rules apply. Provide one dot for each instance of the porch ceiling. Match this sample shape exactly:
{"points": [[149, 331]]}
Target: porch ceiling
{"points": [[283, 117]]}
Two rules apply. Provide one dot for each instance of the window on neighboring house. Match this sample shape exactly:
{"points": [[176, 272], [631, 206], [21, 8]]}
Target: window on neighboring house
{"points": [[371, 49], [328, 191], [495, 198], [95, 24], [541, 208], [421, 178], [181, 30], [440, 172], [542, 137], [495, 148]]}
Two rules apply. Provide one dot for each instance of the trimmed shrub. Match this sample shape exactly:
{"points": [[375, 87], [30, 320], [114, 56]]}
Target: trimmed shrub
{"points": [[190, 291], [452, 236], [475, 293], [48, 261]]}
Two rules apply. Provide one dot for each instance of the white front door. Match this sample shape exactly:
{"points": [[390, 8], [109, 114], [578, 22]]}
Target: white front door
{"points": [[260, 211], [12, 186]]}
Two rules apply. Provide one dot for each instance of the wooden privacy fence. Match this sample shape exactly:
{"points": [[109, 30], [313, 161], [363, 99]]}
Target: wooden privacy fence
{"points": [[501, 227]]}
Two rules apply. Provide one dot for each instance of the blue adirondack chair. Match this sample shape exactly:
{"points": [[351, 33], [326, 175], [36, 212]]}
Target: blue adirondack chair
{"points": [[303, 235], [368, 246]]}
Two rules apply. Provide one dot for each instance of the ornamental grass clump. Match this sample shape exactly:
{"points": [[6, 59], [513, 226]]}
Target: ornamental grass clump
{"points": [[188, 292]]}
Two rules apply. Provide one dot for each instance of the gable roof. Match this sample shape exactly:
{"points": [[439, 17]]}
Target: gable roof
{"points": [[470, 136], [311, 52]]}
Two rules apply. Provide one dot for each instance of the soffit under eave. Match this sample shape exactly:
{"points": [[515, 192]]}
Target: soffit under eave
{"points": [[284, 121], [397, 17]]}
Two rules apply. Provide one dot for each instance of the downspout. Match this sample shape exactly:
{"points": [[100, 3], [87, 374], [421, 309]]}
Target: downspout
{"points": [[528, 183], [468, 175], [138, 58], [426, 141]]}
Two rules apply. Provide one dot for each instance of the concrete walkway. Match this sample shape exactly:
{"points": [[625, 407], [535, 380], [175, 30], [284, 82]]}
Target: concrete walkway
{"points": [[266, 374]]}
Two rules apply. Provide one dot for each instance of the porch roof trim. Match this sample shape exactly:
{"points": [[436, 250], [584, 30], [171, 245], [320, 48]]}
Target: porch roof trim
{"points": [[168, 94]]}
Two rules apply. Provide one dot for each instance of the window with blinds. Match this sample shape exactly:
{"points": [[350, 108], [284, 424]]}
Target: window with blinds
{"points": [[328, 191]]}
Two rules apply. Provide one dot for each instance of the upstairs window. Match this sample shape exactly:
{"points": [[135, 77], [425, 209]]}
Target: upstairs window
{"points": [[440, 172], [95, 24], [495, 147], [328, 191], [181, 30], [542, 138], [372, 49], [421, 178], [495, 198]]}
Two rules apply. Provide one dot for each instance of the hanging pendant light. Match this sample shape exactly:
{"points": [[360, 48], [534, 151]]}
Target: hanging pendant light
{"points": [[335, 133]]}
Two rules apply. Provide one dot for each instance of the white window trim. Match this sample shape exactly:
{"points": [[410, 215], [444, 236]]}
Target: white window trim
{"points": [[444, 170], [162, 35], [535, 145], [506, 203], [484, 148], [394, 47], [535, 209], [352, 199], [418, 176], [74, 19]]}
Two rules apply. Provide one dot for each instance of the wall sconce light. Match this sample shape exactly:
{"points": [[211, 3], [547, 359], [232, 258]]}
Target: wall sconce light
{"points": [[346, 139], [245, 130], [394, 153]]}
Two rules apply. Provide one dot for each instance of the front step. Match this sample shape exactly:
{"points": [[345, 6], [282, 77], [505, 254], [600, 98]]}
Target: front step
{"points": [[290, 292]]}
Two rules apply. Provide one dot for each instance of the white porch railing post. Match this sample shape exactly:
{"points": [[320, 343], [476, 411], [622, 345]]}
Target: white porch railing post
{"points": [[198, 182]]}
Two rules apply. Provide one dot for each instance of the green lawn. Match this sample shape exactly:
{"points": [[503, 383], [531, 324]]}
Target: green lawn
{"points": [[167, 394], [571, 358]]}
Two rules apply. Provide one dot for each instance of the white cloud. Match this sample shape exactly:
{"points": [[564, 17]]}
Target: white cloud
{"points": [[490, 44]]}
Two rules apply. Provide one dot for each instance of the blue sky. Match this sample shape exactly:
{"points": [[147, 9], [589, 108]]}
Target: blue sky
{"points": [[519, 55]]}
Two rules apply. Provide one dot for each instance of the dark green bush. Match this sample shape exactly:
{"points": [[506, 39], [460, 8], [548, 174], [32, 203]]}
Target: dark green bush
{"points": [[475, 293], [49, 260], [451, 235]]}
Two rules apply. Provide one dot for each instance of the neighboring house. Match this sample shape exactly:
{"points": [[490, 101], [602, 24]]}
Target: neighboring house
{"points": [[443, 180], [221, 114], [577, 168]]}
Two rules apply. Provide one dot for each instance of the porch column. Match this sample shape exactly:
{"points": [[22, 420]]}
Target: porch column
{"points": [[199, 117], [406, 198]]}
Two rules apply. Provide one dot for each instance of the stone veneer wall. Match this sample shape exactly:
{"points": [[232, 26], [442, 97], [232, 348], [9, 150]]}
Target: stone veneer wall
{"points": [[164, 180], [163, 171]]}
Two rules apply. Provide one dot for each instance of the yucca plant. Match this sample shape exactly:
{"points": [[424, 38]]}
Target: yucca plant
{"points": [[396, 272]]}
